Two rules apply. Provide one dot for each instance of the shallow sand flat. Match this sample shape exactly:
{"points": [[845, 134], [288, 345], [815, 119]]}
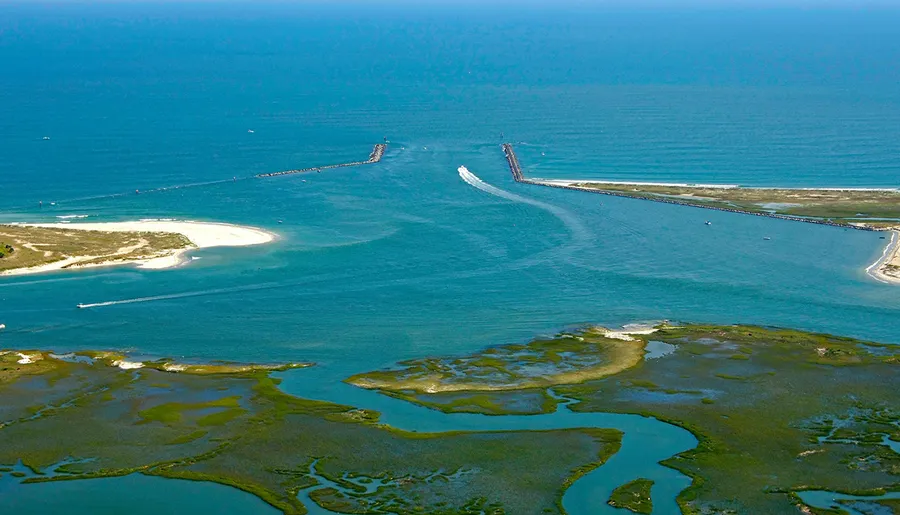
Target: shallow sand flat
{"points": [[200, 234]]}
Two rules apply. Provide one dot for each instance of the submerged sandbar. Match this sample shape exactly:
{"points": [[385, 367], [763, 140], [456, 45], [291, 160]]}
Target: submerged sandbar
{"points": [[153, 244]]}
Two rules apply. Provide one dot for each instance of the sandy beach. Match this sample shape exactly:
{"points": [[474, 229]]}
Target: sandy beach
{"points": [[200, 234], [887, 268]]}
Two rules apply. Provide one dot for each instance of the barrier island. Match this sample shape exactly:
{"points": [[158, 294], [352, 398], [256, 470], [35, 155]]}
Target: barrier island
{"points": [[102, 414], [776, 411], [858, 207]]}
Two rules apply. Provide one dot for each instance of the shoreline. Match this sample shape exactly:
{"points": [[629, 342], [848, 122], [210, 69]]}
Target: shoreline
{"points": [[201, 235], [573, 183], [683, 201], [127, 361], [891, 255]]}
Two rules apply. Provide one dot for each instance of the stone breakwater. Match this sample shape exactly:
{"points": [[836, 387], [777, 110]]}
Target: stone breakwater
{"points": [[517, 174], [374, 157], [513, 161]]}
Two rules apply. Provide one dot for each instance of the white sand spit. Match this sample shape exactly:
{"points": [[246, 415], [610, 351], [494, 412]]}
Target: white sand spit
{"points": [[127, 365], [626, 333], [27, 359]]}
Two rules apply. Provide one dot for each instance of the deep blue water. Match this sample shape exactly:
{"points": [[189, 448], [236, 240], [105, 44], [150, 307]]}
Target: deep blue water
{"points": [[403, 259]]}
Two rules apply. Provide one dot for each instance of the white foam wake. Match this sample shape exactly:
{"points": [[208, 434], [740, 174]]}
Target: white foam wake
{"points": [[184, 295], [580, 233], [323, 278]]}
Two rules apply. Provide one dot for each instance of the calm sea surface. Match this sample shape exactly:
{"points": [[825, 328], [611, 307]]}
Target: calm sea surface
{"points": [[404, 259]]}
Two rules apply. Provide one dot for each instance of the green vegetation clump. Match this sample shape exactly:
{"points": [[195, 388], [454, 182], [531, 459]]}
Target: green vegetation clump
{"points": [[174, 412], [569, 357], [633, 496], [6, 250]]}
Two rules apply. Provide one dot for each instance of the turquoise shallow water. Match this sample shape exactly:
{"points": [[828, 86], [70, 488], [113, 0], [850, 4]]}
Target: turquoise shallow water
{"points": [[137, 494], [404, 259]]}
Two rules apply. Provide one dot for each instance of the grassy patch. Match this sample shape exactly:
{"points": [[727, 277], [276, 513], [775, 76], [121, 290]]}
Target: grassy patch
{"points": [[633, 496], [174, 412]]}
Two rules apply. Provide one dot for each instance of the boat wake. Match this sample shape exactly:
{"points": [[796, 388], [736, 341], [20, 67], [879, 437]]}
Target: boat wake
{"points": [[322, 279], [184, 295], [580, 233]]}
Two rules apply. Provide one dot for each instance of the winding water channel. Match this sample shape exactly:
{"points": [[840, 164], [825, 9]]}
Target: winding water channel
{"points": [[646, 441]]}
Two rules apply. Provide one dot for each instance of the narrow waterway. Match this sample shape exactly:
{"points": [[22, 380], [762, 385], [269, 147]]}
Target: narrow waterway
{"points": [[646, 441]]}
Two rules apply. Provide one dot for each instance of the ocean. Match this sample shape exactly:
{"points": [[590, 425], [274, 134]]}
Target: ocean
{"points": [[404, 259]]}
